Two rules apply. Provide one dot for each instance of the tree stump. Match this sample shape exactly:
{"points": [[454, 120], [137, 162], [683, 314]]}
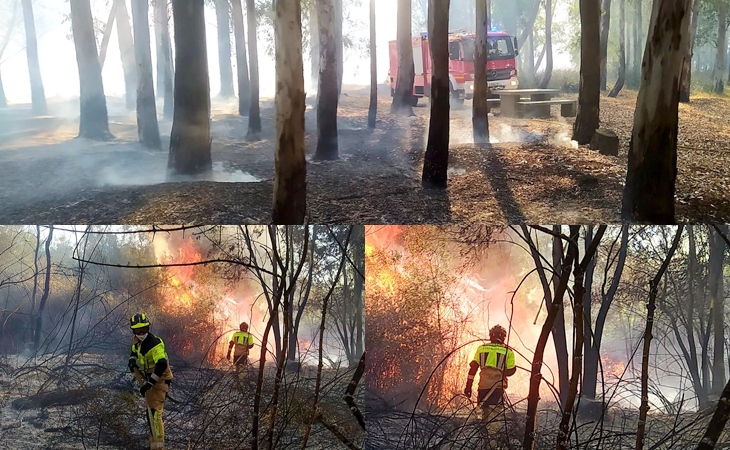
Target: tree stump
{"points": [[605, 141]]}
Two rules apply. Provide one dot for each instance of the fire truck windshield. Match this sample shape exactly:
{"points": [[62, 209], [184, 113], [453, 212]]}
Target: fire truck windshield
{"points": [[497, 48]]}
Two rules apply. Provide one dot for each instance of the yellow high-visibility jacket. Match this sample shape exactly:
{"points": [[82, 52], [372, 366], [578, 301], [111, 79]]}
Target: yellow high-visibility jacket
{"points": [[151, 357], [495, 362], [242, 342]]}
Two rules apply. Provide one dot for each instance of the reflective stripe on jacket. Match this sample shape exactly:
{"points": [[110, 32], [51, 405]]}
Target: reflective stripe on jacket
{"points": [[493, 359], [243, 341], [149, 353]]}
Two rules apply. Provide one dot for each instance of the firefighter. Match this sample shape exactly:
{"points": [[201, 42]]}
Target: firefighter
{"points": [[150, 365], [243, 342], [496, 362]]}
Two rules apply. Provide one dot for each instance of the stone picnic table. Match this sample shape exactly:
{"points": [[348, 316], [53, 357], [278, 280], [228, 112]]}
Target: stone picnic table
{"points": [[509, 98]]}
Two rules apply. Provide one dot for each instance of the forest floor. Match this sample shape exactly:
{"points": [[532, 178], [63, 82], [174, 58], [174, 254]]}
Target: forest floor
{"points": [[97, 405], [531, 173]]}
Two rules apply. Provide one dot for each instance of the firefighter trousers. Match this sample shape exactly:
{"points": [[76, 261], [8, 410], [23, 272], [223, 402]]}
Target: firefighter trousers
{"points": [[155, 402]]}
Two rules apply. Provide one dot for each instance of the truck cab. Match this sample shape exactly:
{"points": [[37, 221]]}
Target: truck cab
{"points": [[501, 67]]}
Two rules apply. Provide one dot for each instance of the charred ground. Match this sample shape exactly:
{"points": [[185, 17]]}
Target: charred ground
{"points": [[533, 174]]}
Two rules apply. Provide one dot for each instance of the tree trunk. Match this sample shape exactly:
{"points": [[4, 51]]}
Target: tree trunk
{"points": [[403, 96], [548, 73], [373, 109], [436, 159], [694, 367], [718, 84], [605, 28], [560, 341], [46, 288], [359, 238], [94, 123], [126, 50], [290, 187], [651, 307], [587, 121], [480, 108], [339, 44], [147, 129], [254, 114], [224, 48], [108, 28], [244, 87], [164, 58], [652, 166], [327, 95], [621, 52], [717, 305], [589, 379], [718, 421], [686, 81], [190, 136], [37, 93], [555, 309], [638, 40]]}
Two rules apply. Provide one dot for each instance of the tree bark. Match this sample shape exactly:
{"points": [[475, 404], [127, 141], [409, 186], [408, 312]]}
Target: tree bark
{"points": [[339, 44], [638, 40], [686, 80], [327, 92], [94, 122], [373, 109], [652, 166], [587, 121], [290, 185], [147, 129], [718, 83], [224, 48], [605, 28], [651, 307], [254, 114], [560, 341], [436, 159], [480, 107], [164, 58], [548, 73], [244, 86], [621, 52], [38, 95], [717, 306], [314, 47], [46, 288], [126, 50], [403, 96], [190, 136]]}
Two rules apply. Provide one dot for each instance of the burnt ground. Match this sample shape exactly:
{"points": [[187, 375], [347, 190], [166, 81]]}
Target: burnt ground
{"points": [[534, 174]]}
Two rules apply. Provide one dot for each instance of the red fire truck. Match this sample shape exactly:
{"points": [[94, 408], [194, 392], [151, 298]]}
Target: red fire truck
{"points": [[501, 68]]}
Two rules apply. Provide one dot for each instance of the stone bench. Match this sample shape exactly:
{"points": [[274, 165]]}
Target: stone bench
{"points": [[541, 109]]}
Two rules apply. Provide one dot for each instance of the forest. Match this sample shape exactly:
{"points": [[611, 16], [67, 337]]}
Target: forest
{"points": [[260, 108], [619, 335], [67, 297]]}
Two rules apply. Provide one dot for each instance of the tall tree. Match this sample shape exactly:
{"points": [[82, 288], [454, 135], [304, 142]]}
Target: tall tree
{"points": [[373, 109], [327, 92], [686, 81], [339, 44], [605, 28], [639, 39], [147, 128], [46, 286], [480, 108], [290, 179], [590, 73], [190, 135], [548, 73], [38, 95], [254, 114], [717, 302], [403, 96], [126, 51], [164, 57], [436, 159], [107, 35], [652, 166], [239, 32], [224, 47], [314, 48], [94, 122], [718, 82], [621, 51]]}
